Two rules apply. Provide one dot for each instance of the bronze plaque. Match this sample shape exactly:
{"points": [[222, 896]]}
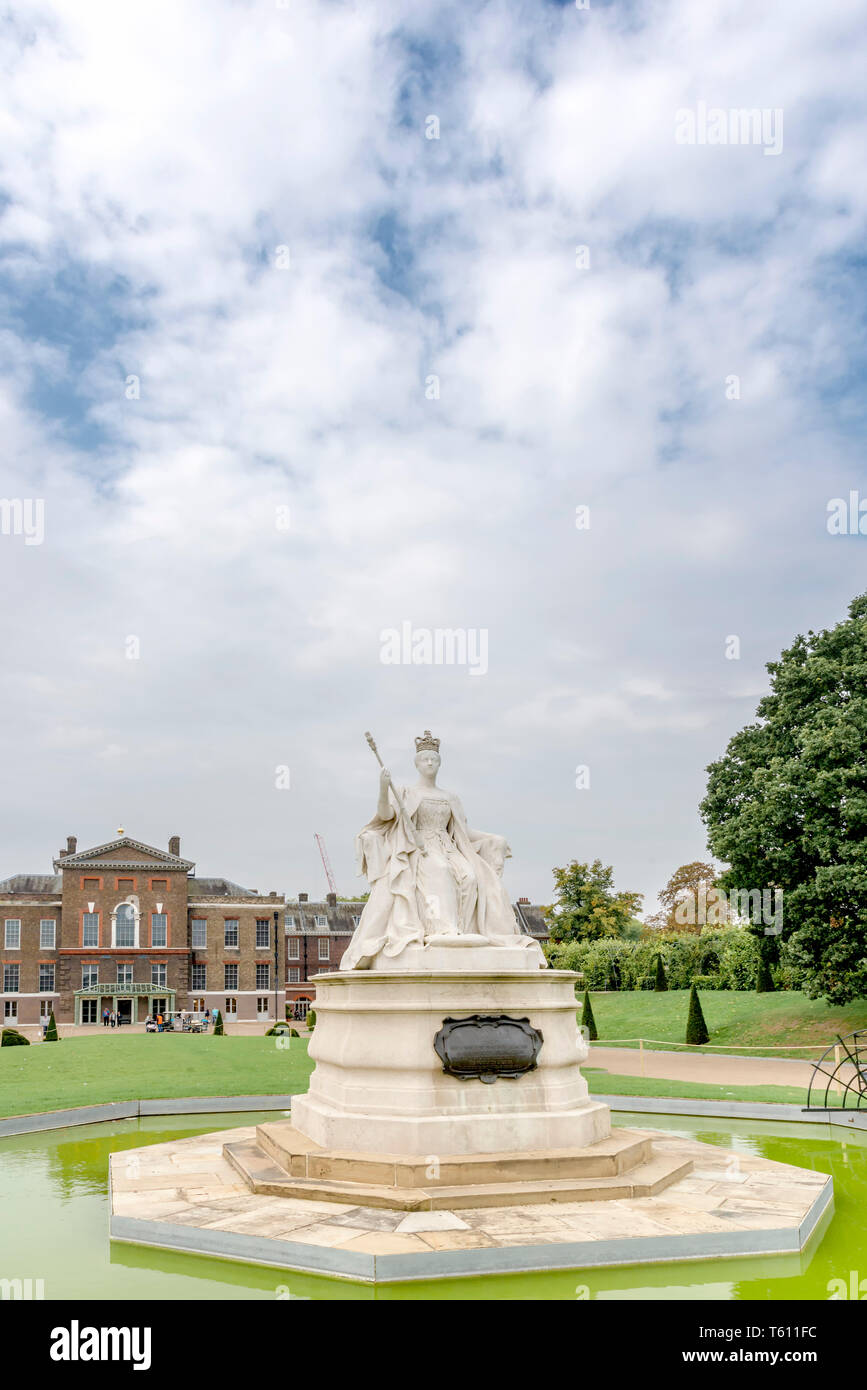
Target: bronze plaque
{"points": [[484, 1047]]}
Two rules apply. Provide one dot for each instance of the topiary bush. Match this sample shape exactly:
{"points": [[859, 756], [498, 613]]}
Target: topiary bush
{"points": [[707, 982], [764, 979], [51, 1030], [218, 1024], [282, 1030], [10, 1037], [661, 983], [311, 1019], [587, 1019], [696, 1028]]}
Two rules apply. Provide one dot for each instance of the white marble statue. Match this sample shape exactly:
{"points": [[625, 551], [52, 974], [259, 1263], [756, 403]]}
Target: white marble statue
{"points": [[434, 882]]}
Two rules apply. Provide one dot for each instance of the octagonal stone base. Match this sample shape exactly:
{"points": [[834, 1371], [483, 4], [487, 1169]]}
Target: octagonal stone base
{"points": [[185, 1195]]}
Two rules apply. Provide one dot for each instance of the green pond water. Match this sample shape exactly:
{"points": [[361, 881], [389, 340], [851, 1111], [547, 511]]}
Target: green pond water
{"points": [[55, 1228]]}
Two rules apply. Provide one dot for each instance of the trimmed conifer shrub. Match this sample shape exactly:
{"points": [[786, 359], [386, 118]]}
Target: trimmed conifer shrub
{"points": [[587, 1019], [51, 1030], [311, 1019], [696, 1028], [10, 1037], [764, 978], [661, 977], [218, 1024]]}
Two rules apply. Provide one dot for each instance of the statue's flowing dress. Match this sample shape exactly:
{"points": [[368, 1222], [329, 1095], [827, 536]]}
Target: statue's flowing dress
{"points": [[453, 888]]}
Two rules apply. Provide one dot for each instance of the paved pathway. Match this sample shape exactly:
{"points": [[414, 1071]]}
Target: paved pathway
{"points": [[713, 1068]]}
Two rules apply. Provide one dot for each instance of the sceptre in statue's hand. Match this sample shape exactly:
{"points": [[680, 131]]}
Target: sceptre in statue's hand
{"points": [[385, 783]]}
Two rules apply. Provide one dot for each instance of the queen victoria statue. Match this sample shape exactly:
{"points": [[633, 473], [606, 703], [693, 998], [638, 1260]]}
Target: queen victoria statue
{"points": [[434, 882]]}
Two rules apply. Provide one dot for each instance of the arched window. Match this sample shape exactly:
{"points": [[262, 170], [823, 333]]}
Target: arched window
{"points": [[125, 925]]}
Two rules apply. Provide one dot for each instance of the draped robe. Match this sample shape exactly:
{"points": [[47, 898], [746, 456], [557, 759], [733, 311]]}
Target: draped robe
{"points": [[398, 912]]}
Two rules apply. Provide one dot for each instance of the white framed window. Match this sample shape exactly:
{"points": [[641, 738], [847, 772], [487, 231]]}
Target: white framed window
{"points": [[89, 976], [45, 1007], [199, 977], [47, 934], [90, 929], [200, 933], [231, 1010], [159, 929], [125, 925], [88, 1010], [230, 976], [263, 933], [295, 948], [262, 1006], [324, 948], [289, 923], [158, 976], [124, 973], [46, 978], [230, 937], [263, 975], [198, 1006], [321, 922], [294, 974], [11, 979], [10, 1010], [13, 934]]}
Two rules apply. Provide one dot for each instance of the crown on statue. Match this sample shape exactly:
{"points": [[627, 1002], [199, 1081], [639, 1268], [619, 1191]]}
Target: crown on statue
{"points": [[427, 740]]}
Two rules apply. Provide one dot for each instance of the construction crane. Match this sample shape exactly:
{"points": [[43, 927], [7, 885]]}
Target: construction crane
{"points": [[326, 863]]}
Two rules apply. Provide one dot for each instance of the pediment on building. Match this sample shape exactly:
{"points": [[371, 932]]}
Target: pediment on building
{"points": [[124, 853]]}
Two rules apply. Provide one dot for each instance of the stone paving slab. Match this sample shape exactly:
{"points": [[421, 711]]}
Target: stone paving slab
{"points": [[730, 1205]]}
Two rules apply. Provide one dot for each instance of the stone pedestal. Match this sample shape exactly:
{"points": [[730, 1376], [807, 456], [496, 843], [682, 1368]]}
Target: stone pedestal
{"points": [[379, 1085]]}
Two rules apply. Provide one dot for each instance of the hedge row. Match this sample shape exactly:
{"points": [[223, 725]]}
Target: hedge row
{"points": [[717, 958]]}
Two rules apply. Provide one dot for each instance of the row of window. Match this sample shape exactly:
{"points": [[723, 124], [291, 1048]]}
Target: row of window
{"points": [[10, 1010], [320, 922], [125, 885], [294, 948], [125, 930], [47, 934], [90, 977], [12, 979], [231, 933]]}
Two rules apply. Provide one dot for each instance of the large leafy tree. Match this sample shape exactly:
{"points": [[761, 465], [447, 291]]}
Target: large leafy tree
{"points": [[690, 901], [587, 905], [786, 806]]}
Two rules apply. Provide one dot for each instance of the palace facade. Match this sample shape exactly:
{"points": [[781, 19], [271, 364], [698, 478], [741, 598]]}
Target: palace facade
{"points": [[130, 928]]}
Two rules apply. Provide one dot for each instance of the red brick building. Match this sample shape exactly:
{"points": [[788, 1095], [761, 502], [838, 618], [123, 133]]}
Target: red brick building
{"points": [[317, 934], [130, 928]]}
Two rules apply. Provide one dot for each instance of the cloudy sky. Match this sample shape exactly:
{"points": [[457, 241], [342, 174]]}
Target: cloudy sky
{"points": [[285, 371]]}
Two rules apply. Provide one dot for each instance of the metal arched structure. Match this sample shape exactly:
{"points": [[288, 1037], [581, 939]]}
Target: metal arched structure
{"points": [[842, 1066]]}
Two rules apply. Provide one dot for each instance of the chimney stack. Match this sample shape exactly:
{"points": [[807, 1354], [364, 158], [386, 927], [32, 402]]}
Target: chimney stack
{"points": [[302, 897], [71, 843], [523, 900], [331, 899], [175, 846]]}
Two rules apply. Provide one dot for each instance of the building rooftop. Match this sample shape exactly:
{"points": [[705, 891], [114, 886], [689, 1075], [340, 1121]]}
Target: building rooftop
{"points": [[32, 883]]}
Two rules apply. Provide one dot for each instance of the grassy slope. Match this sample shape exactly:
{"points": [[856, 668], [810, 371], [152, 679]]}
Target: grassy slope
{"points": [[86, 1071], [601, 1083], [735, 1018]]}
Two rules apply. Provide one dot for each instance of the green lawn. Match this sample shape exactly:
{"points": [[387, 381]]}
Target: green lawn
{"points": [[735, 1018], [87, 1071], [602, 1083]]}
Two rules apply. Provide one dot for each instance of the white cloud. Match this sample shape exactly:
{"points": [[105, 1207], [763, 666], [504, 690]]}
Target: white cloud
{"points": [[163, 153]]}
